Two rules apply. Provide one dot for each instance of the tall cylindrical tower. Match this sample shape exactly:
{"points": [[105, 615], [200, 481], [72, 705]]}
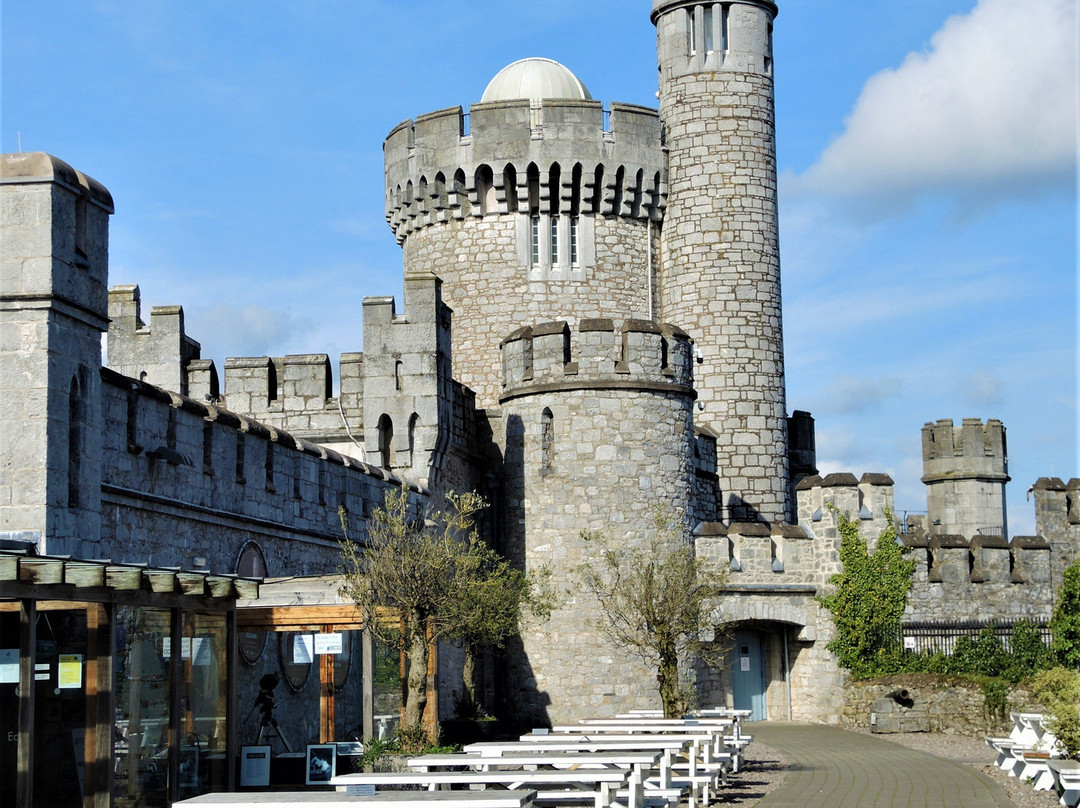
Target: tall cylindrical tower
{"points": [[720, 266]]}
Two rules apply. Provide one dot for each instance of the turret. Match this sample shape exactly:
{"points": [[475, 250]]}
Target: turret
{"points": [[965, 471], [54, 233], [599, 436], [720, 274], [538, 205]]}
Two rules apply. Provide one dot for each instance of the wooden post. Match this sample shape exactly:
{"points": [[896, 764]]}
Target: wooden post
{"points": [[232, 697], [24, 786], [326, 694], [367, 682]]}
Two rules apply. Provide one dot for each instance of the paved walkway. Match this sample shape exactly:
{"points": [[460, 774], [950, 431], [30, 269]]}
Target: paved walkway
{"points": [[832, 768]]}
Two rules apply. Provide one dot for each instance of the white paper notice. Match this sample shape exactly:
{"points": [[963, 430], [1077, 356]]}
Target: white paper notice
{"points": [[9, 666], [328, 643], [303, 649], [744, 663]]}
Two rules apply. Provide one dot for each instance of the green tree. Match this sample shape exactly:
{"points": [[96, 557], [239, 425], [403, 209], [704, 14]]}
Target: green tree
{"points": [[868, 598], [492, 599], [655, 602], [432, 571], [1065, 620]]}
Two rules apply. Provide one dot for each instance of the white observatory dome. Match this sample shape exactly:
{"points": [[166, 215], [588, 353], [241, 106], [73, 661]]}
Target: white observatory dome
{"points": [[535, 78]]}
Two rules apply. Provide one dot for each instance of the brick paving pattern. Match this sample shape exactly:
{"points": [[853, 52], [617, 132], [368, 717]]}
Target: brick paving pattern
{"points": [[832, 768]]}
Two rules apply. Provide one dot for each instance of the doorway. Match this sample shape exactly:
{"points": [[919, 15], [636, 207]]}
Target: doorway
{"points": [[748, 675]]}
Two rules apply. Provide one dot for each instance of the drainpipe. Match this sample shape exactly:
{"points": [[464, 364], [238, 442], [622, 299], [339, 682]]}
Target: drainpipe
{"points": [[787, 674], [648, 267]]}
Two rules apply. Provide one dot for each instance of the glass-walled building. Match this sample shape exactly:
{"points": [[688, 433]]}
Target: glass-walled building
{"points": [[117, 683]]}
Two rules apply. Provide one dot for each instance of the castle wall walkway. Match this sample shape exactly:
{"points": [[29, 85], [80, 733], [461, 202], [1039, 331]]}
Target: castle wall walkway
{"points": [[834, 768]]}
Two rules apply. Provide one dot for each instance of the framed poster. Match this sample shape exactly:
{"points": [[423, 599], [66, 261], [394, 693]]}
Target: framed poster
{"points": [[254, 766], [321, 764]]}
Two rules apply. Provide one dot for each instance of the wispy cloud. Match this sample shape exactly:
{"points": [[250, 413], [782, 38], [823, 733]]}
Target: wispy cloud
{"points": [[846, 394], [980, 388], [988, 110]]}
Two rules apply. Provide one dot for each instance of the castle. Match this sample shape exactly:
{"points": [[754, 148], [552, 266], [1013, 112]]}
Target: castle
{"points": [[590, 331]]}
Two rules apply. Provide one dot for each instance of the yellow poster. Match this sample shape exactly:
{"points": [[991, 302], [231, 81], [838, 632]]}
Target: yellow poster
{"points": [[70, 673]]}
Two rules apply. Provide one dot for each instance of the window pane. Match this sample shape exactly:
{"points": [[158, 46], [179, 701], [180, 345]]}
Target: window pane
{"points": [[141, 692], [203, 694]]}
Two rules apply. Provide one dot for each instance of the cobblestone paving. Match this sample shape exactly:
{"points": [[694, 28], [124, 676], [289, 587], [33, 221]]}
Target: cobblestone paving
{"points": [[832, 768]]}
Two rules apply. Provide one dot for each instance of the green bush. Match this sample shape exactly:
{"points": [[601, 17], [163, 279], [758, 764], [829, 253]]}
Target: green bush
{"points": [[868, 599], [1065, 622], [1058, 689]]}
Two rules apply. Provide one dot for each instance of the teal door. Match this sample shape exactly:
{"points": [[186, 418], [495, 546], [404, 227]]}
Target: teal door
{"points": [[748, 676]]}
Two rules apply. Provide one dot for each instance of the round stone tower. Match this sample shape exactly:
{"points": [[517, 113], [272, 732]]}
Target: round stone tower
{"points": [[599, 435], [965, 471], [720, 268], [537, 205]]}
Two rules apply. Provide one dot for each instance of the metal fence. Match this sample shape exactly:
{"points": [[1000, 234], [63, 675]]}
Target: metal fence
{"points": [[940, 636]]}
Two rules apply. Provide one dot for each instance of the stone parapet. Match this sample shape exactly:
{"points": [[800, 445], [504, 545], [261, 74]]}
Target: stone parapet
{"points": [[641, 354], [435, 172]]}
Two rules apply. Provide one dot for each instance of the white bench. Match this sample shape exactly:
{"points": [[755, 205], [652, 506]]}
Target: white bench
{"points": [[582, 786], [1066, 775], [385, 799]]}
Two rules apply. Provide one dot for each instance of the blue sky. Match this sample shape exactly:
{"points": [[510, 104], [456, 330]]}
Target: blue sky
{"points": [[927, 151]]}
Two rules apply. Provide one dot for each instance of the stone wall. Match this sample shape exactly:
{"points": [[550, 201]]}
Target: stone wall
{"points": [[178, 475], [938, 704], [491, 292], [983, 576], [600, 443]]}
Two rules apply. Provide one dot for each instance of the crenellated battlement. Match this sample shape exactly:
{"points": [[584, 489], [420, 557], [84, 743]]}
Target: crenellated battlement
{"points": [[981, 445], [965, 470], [552, 156], [640, 354], [823, 500]]}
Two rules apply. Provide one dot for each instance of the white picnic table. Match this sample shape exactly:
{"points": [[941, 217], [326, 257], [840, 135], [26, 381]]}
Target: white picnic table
{"points": [[530, 756], [705, 765], [596, 786], [384, 799], [1066, 774]]}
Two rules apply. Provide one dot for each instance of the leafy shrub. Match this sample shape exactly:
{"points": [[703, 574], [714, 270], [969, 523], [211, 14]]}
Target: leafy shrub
{"points": [[1065, 621], [868, 599], [1058, 689]]}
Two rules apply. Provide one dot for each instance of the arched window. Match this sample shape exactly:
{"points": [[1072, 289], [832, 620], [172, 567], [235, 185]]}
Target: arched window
{"points": [[386, 442], [439, 194], [461, 193], [547, 440], [76, 416], [485, 190], [414, 422], [510, 187], [598, 190]]}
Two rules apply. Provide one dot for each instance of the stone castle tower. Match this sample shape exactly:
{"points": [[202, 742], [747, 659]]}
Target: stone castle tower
{"points": [[720, 273], [965, 471], [54, 234]]}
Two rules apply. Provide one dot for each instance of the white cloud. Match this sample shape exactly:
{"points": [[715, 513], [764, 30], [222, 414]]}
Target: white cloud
{"points": [[845, 394], [989, 109], [981, 389], [251, 330]]}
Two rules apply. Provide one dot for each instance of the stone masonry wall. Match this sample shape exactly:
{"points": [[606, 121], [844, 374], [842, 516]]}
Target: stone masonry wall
{"points": [[940, 704], [180, 475], [491, 293], [597, 457]]}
